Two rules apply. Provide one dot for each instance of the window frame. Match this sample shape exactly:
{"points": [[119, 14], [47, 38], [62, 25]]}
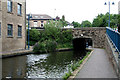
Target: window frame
{"points": [[10, 30], [19, 31], [42, 24], [9, 5], [36, 23], [19, 9]]}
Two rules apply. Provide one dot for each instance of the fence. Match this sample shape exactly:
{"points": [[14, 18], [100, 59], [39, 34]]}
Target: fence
{"points": [[115, 37]]}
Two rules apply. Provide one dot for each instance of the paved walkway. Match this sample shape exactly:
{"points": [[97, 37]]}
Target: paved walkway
{"points": [[97, 66]]}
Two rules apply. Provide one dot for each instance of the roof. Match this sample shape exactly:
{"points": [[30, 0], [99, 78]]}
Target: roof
{"points": [[41, 17]]}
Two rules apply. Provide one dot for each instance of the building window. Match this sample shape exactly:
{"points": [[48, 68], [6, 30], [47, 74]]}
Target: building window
{"points": [[19, 31], [0, 29], [9, 5], [10, 30], [35, 24], [42, 24], [19, 9]]}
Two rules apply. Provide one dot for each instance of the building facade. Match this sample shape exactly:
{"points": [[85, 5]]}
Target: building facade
{"points": [[38, 20], [12, 25], [119, 7]]}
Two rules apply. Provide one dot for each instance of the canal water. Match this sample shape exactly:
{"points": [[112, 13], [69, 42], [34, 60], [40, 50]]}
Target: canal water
{"points": [[52, 65]]}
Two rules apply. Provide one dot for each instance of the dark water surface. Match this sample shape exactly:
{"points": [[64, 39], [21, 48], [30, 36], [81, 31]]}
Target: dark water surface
{"points": [[52, 65]]}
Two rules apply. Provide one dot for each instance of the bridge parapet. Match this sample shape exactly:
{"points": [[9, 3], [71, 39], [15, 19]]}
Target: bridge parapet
{"points": [[113, 48]]}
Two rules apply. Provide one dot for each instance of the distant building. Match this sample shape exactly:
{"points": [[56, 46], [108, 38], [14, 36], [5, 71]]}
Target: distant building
{"points": [[12, 25], [39, 20], [119, 7], [69, 25]]}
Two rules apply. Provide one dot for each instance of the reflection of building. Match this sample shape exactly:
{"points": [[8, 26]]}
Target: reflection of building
{"points": [[119, 7], [12, 24], [15, 67], [38, 20]]}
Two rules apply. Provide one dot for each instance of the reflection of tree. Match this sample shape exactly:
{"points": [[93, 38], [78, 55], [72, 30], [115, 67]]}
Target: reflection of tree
{"points": [[55, 64]]}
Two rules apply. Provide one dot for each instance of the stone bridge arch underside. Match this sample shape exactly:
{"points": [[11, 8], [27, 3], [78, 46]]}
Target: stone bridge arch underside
{"points": [[96, 34]]}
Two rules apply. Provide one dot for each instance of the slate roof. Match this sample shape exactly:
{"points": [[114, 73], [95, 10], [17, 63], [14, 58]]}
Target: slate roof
{"points": [[41, 17]]}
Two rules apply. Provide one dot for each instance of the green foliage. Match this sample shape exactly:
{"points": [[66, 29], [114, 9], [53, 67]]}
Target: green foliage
{"points": [[33, 36], [74, 66], [52, 37], [39, 47], [67, 75], [86, 23], [50, 45], [119, 19], [45, 46], [76, 24], [102, 20]]}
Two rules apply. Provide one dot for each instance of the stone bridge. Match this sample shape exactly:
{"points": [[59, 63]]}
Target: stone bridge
{"points": [[99, 39], [95, 34]]}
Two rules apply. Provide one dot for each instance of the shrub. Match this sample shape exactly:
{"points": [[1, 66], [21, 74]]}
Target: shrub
{"points": [[50, 36], [39, 47], [45, 46], [33, 36], [50, 45]]}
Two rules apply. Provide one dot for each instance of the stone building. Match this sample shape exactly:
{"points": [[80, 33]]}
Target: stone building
{"points": [[12, 25], [38, 20], [119, 7]]}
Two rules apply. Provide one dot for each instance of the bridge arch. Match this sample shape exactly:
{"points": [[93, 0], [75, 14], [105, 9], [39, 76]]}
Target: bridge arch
{"points": [[82, 43]]}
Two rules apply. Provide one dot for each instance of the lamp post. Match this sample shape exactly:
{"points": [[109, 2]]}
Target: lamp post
{"points": [[29, 16], [109, 11]]}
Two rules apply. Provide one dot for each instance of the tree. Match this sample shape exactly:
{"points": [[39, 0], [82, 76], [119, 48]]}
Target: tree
{"points": [[86, 23], [63, 21], [63, 18], [102, 20], [76, 24]]}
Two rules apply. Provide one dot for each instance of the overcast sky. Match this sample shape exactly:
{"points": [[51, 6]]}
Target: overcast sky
{"points": [[74, 10]]}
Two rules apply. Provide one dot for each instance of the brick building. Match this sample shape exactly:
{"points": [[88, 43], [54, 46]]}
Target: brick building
{"points": [[12, 25], [38, 20]]}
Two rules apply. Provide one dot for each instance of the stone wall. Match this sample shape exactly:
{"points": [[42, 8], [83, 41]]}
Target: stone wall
{"points": [[1, 25], [97, 34], [111, 53], [14, 42]]}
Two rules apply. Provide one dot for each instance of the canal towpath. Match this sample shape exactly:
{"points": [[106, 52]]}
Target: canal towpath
{"points": [[97, 66]]}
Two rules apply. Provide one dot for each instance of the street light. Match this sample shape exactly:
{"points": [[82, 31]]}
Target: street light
{"points": [[29, 16], [109, 11]]}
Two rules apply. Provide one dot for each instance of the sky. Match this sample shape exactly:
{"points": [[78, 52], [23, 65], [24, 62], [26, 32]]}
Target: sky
{"points": [[73, 10]]}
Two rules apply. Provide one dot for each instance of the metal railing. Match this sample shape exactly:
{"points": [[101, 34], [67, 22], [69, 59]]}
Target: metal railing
{"points": [[115, 38]]}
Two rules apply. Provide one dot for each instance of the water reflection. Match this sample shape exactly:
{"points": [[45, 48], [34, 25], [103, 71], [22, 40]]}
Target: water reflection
{"points": [[52, 65], [14, 67]]}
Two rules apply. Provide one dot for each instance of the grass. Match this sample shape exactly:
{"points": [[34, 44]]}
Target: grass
{"points": [[74, 66]]}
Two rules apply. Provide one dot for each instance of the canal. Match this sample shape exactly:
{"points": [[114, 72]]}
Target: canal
{"points": [[52, 65]]}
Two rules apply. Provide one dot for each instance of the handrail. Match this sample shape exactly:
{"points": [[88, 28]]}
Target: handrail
{"points": [[114, 37]]}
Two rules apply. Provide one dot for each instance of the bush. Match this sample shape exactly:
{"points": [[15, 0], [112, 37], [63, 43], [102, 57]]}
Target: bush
{"points": [[39, 47], [50, 45], [51, 37], [33, 36], [45, 46]]}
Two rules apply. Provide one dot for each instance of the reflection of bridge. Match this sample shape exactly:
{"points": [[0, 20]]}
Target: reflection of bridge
{"points": [[99, 37]]}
